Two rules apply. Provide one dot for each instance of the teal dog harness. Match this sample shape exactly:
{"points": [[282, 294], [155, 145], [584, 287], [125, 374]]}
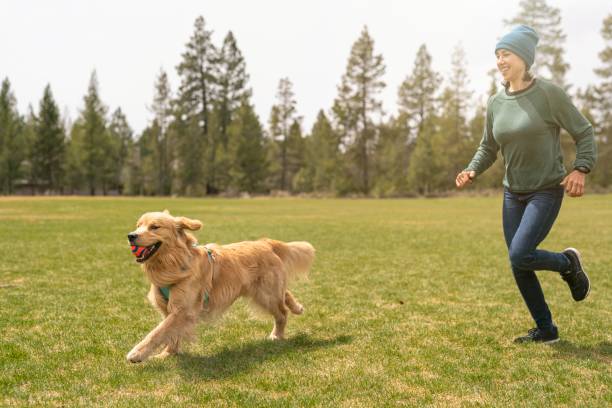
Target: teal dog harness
{"points": [[165, 290]]}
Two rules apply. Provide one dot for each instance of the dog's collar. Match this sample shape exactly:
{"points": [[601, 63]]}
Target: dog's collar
{"points": [[165, 291]]}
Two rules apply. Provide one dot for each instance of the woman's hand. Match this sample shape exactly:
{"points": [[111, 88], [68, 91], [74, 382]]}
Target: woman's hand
{"points": [[574, 183], [465, 177]]}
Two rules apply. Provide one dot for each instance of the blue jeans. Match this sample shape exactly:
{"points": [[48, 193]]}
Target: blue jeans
{"points": [[527, 219]]}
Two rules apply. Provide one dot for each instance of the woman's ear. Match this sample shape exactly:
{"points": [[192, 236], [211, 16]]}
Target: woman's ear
{"points": [[187, 223]]}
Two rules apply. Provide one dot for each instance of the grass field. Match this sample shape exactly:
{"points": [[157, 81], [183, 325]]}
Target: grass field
{"points": [[410, 302]]}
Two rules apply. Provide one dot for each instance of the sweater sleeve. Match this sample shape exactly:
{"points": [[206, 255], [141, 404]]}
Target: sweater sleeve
{"points": [[486, 154], [567, 116]]}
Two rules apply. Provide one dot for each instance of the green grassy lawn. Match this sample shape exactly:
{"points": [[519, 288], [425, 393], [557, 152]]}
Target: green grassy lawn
{"points": [[410, 302]]}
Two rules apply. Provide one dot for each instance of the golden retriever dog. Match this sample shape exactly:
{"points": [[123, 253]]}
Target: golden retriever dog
{"points": [[190, 282]]}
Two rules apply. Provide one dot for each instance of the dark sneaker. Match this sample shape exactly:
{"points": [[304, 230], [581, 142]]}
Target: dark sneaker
{"points": [[576, 278], [546, 336]]}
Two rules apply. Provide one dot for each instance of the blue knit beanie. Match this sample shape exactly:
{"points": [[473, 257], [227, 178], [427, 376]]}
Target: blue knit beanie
{"points": [[522, 41]]}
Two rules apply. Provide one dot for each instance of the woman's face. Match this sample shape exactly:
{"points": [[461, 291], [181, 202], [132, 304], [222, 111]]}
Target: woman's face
{"points": [[511, 66]]}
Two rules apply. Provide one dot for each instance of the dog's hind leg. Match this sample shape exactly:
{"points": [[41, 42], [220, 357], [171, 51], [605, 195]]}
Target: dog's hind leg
{"points": [[280, 321], [275, 305], [292, 304]]}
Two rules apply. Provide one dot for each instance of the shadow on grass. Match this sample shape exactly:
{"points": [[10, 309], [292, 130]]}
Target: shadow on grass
{"points": [[231, 361], [600, 352]]}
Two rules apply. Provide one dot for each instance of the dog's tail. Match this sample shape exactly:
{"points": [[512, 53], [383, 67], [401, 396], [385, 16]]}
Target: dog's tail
{"points": [[297, 256]]}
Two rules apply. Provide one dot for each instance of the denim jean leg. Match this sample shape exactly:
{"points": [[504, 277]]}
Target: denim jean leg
{"points": [[527, 219], [540, 212]]}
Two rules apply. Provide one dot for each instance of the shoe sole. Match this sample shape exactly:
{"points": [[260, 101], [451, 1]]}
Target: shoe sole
{"points": [[577, 252], [538, 342]]}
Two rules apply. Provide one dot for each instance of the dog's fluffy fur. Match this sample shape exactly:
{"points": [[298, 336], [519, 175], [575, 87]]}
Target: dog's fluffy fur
{"points": [[259, 270]]}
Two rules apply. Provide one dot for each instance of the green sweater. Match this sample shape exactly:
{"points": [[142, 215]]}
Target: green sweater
{"points": [[525, 125]]}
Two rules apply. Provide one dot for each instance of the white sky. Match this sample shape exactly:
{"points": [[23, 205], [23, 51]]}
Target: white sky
{"points": [[61, 41]]}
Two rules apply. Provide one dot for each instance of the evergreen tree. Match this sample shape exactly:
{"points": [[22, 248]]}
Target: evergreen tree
{"points": [[391, 159], [120, 135], [451, 145], [423, 171], [282, 116], [12, 144], [321, 158], [417, 94], [147, 160], [357, 103], [49, 144], [296, 149], [92, 139], [29, 136], [249, 170], [74, 167], [418, 106], [162, 110], [546, 21], [195, 101], [231, 80]]}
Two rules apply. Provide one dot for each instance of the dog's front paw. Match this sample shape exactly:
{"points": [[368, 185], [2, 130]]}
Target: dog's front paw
{"points": [[163, 355], [135, 356]]}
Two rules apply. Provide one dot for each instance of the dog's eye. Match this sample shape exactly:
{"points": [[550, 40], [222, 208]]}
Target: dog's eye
{"points": [[154, 227]]}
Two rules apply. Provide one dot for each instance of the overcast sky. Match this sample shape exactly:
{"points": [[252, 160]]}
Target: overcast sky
{"points": [[127, 42]]}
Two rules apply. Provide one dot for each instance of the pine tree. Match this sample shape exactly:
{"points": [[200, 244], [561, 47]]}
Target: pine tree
{"points": [[120, 134], [295, 152], [12, 144], [231, 88], [162, 111], [418, 106], [321, 157], [74, 171], [391, 159], [29, 136], [91, 130], [282, 115], [195, 98], [357, 103], [49, 144], [148, 160], [451, 145], [231, 80], [249, 169], [546, 21], [423, 170], [417, 94]]}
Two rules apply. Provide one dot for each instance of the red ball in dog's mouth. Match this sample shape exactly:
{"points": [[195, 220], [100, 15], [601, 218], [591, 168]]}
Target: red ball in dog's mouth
{"points": [[142, 253]]}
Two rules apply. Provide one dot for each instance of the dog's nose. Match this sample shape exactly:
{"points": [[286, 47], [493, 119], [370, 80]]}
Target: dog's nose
{"points": [[132, 236]]}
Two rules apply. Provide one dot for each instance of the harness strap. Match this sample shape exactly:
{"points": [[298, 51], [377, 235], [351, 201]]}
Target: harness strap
{"points": [[165, 290]]}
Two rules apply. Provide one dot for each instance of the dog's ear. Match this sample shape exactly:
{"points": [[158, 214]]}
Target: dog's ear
{"points": [[187, 223]]}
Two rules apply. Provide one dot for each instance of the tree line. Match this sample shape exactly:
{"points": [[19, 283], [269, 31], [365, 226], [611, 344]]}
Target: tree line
{"points": [[205, 138]]}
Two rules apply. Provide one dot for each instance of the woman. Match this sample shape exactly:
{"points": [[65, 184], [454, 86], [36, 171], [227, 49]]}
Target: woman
{"points": [[524, 121]]}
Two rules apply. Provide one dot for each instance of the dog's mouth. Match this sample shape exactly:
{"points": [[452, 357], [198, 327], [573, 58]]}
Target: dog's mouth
{"points": [[142, 253]]}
